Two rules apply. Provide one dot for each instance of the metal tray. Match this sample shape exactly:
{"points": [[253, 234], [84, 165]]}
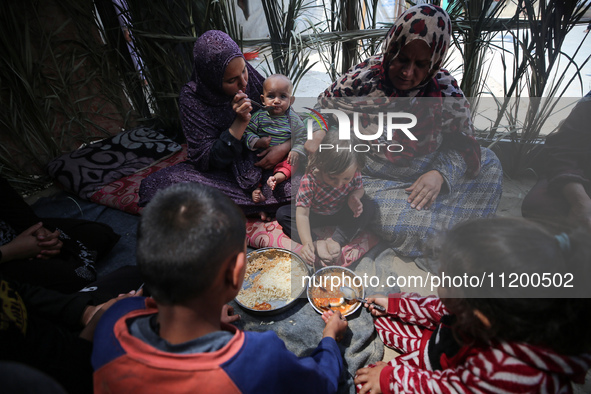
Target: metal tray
{"points": [[277, 306], [338, 271]]}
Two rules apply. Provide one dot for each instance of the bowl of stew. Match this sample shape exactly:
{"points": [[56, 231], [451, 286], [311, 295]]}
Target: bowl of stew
{"points": [[324, 290]]}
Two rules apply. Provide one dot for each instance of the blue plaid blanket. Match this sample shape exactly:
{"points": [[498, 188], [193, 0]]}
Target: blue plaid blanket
{"points": [[406, 229]]}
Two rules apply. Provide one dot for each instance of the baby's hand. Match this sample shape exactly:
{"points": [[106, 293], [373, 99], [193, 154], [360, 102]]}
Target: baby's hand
{"points": [[355, 204], [382, 301], [336, 325], [272, 182], [293, 158], [262, 143]]}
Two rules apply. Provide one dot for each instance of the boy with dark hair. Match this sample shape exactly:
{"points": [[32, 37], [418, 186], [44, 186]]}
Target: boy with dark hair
{"points": [[192, 256]]}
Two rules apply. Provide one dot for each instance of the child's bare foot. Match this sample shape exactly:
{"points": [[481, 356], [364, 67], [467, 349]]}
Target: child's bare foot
{"points": [[257, 196], [334, 249], [272, 182], [322, 251], [264, 217]]}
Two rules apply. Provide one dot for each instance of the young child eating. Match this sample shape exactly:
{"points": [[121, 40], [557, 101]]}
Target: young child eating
{"points": [[472, 340], [330, 193]]}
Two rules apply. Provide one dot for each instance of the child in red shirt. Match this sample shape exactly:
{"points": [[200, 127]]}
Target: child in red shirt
{"points": [[493, 337]]}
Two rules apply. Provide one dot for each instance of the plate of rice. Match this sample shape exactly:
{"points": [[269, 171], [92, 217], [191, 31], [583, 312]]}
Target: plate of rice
{"points": [[272, 281]]}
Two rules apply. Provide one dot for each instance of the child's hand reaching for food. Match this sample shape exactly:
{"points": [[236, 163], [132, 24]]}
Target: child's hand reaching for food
{"points": [[262, 143], [336, 325]]}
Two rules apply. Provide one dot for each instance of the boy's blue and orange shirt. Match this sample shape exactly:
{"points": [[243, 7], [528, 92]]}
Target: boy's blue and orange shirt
{"points": [[322, 198], [251, 362]]}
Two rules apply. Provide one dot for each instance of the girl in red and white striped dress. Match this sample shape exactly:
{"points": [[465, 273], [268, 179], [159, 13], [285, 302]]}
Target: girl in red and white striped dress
{"points": [[470, 341]]}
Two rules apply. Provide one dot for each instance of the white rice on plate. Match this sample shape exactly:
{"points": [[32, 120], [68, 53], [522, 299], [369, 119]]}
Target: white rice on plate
{"points": [[273, 282]]}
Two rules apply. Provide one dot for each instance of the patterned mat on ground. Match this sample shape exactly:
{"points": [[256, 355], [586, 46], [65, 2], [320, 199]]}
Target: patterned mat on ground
{"points": [[260, 234]]}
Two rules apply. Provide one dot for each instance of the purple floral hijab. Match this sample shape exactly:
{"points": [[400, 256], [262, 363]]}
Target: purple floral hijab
{"points": [[205, 110]]}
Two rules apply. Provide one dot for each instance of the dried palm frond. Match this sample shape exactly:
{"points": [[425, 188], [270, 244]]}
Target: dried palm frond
{"points": [[58, 87]]}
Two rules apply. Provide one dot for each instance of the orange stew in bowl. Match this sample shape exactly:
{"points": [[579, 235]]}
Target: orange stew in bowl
{"points": [[327, 298]]}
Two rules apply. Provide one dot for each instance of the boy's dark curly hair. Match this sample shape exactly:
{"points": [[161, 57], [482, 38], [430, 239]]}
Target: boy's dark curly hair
{"points": [[503, 245]]}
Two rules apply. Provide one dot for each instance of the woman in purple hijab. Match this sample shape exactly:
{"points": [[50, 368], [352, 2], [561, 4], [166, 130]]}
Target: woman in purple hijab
{"points": [[215, 107]]}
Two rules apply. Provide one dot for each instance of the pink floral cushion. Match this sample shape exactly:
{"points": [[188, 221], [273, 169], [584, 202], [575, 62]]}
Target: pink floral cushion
{"points": [[261, 234]]}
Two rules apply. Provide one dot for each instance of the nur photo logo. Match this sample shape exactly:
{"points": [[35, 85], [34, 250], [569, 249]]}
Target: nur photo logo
{"points": [[386, 123]]}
